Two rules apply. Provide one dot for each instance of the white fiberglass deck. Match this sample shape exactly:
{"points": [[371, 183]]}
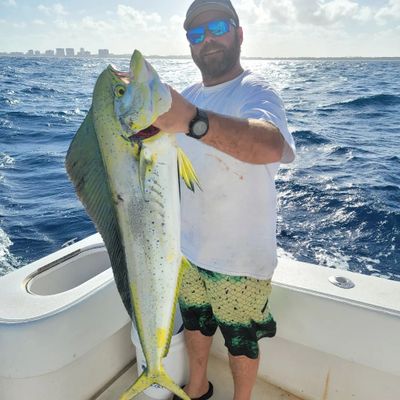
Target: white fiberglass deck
{"points": [[345, 346], [218, 373]]}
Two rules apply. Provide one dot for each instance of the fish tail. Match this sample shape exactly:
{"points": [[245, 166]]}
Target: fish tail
{"points": [[147, 379], [166, 381]]}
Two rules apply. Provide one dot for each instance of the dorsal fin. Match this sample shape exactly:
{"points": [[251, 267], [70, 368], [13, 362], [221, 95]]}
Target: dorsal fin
{"points": [[86, 170]]}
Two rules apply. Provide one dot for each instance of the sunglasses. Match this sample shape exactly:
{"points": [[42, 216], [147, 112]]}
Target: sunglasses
{"points": [[217, 28]]}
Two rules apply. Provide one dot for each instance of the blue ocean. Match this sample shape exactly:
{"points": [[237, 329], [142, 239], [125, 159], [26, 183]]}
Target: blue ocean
{"points": [[339, 202]]}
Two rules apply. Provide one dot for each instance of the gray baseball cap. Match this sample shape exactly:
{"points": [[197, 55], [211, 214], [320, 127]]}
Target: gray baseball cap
{"points": [[200, 6]]}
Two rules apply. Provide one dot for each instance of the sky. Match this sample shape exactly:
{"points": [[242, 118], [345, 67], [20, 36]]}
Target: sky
{"points": [[272, 28]]}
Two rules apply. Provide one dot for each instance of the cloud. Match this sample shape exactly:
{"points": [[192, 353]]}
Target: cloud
{"points": [[97, 25], [337, 10], [55, 10], [365, 14], [19, 25], [273, 27], [282, 10], [177, 21], [63, 24], [254, 12], [304, 12], [138, 18], [318, 27], [11, 3], [391, 11], [315, 12]]}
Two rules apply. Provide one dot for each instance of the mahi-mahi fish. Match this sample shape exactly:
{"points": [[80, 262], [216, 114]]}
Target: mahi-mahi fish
{"points": [[125, 172]]}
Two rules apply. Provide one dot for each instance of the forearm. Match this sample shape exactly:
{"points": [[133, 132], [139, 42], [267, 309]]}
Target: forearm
{"points": [[249, 140]]}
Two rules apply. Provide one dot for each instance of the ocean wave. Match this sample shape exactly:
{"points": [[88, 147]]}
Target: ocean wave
{"points": [[293, 89], [9, 101], [46, 92], [5, 81], [27, 63], [333, 258], [348, 218], [23, 115], [40, 119], [8, 262], [365, 101], [6, 161], [386, 188], [342, 151], [370, 115], [67, 113], [6, 123], [307, 137]]}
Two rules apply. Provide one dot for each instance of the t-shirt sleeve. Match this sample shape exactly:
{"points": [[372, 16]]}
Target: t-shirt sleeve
{"points": [[264, 103]]}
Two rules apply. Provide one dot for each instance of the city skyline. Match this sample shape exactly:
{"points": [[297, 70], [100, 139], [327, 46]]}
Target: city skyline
{"points": [[104, 53], [272, 29], [61, 52]]}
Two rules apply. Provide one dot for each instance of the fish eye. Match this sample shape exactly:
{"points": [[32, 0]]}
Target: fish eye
{"points": [[119, 90]]}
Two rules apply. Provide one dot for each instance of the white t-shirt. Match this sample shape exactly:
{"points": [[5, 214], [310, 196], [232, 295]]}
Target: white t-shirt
{"points": [[230, 226]]}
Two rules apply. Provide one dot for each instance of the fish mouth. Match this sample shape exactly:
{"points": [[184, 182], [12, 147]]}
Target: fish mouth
{"points": [[134, 136], [144, 134], [138, 136], [123, 76]]}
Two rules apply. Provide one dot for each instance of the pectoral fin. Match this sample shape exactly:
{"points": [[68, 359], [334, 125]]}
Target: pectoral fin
{"points": [[186, 171]]}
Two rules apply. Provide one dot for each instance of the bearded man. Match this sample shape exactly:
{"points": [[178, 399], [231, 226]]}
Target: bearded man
{"points": [[236, 136]]}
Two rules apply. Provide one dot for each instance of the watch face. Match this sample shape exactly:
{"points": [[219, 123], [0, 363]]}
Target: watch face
{"points": [[199, 128]]}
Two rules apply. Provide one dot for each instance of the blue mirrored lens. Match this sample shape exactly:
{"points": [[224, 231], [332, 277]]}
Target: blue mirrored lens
{"points": [[217, 28], [196, 35]]}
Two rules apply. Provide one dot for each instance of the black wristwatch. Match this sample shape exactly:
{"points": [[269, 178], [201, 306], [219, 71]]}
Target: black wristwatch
{"points": [[198, 126]]}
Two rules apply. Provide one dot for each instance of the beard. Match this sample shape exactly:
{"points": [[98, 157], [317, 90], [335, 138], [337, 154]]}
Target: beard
{"points": [[216, 65]]}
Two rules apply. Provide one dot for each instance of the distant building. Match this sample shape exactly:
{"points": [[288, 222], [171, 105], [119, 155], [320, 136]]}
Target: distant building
{"points": [[49, 53], [29, 53], [37, 53], [104, 53], [83, 53], [16, 53], [60, 52], [70, 52]]}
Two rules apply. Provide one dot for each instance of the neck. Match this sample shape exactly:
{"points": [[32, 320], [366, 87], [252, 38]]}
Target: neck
{"points": [[228, 76]]}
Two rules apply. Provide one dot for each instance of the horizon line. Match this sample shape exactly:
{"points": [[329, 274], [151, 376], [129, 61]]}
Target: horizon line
{"points": [[188, 56]]}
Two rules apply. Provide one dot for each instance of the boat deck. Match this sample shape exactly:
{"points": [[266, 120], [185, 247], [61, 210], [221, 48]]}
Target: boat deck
{"points": [[219, 374]]}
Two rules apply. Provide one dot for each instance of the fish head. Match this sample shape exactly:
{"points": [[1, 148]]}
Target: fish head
{"points": [[140, 98], [131, 101]]}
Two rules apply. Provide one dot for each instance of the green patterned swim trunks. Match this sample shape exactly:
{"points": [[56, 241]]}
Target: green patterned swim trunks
{"points": [[238, 305]]}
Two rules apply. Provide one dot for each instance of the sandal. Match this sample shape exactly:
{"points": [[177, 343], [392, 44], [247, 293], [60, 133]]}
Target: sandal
{"points": [[205, 396]]}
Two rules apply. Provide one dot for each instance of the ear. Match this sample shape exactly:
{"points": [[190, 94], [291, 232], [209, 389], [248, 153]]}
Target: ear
{"points": [[240, 34]]}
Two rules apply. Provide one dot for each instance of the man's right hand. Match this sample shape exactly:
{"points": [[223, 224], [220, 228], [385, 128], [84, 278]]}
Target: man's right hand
{"points": [[178, 117]]}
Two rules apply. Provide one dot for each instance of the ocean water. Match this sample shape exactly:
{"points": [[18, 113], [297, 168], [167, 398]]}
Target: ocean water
{"points": [[339, 203]]}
